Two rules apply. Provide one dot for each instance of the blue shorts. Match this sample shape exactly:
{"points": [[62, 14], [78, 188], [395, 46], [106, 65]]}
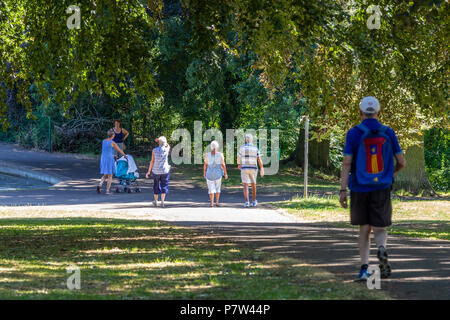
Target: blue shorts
{"points": [[160, 183]]}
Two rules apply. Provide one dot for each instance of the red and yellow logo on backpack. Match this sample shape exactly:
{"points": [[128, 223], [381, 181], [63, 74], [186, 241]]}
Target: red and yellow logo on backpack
{"points": [[374, 154]]}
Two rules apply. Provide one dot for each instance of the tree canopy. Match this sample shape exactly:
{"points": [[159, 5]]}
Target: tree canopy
{"points": [[202, 57]]}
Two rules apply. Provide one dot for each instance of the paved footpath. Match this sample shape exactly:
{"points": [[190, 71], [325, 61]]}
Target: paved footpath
{"points": [[421, 268]]}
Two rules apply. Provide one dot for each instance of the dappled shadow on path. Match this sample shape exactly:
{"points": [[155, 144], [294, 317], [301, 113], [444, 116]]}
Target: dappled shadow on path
{"points": [[421, 267], [81, 192]]}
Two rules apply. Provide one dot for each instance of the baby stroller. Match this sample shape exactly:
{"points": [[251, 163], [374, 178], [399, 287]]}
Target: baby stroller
{"points": [[126, 172]]}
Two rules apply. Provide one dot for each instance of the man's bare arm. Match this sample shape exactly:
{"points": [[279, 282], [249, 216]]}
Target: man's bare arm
{"points": [[346, 167], [261, 172]]}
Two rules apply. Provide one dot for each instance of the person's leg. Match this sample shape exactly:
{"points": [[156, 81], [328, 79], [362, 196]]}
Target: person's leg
{"points": [[102, 180], [108, 185], [380, 239], [246, 191], [381, 217], [156, 188], [380, 236], [210, 185], [217, 185], [211, 199], [217, 198], [164, 185], [254, 191], [359, 215], [364, 243], [163, 197], [380, 214], [252, 175], [245, 182], [101, 184]]}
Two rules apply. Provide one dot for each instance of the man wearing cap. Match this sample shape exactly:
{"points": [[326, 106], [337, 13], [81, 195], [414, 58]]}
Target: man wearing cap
{"points": [[370, 205], [248, 160], [160, 169]]}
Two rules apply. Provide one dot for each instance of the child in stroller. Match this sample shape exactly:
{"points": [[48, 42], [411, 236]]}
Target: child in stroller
{"points": [[126, 172]]}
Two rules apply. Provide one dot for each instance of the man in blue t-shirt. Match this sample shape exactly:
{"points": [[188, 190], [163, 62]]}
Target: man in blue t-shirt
{"points": [[370, 207]]}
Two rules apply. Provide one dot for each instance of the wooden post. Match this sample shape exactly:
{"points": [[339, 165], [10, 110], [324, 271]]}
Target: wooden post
{"points": [[305, 173], [49, 135]]}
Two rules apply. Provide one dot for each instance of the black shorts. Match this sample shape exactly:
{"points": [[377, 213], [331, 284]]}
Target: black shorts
{"points": [[373, 208]]}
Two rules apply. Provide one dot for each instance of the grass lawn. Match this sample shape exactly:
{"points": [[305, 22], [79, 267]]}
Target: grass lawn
{"points": [[139, 259], [413, 218], [288, 179]]}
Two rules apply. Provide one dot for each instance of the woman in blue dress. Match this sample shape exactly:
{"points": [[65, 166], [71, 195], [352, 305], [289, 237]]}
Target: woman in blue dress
{"points": [[107, 161]]}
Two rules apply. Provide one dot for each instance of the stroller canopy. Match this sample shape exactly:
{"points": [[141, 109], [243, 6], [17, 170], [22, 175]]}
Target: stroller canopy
{"points": [[126, 169]]}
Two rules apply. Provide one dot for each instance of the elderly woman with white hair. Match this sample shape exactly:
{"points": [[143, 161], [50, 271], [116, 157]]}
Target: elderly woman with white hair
{"points": [[159, 168], [213, 170]]}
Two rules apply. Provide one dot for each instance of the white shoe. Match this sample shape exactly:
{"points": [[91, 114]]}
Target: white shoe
{"points": [[247, 204], [255, 203]]}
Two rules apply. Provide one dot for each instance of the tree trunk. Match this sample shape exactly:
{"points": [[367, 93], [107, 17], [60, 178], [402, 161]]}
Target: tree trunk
{"points": [[319, 153], [413, 178], [298, 154]]}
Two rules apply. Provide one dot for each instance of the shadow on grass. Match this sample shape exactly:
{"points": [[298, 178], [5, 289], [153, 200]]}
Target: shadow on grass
{"points": [[306, 204], [122, 259]]}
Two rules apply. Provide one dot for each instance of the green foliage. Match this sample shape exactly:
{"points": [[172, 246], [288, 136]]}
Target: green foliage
{"points": [[111, 52], [437, 158], [159, 65], [337, 144]]}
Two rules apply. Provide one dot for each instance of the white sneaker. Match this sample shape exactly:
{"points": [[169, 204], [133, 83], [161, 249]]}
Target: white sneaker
{"points": [[255, 203], [247, 204]]}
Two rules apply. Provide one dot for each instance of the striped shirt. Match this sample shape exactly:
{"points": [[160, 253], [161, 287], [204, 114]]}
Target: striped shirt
{"points": [[249, 155], [161, 164]]}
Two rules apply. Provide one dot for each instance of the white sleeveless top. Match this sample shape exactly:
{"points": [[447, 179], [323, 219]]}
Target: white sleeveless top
{"points": [[214, 168]]}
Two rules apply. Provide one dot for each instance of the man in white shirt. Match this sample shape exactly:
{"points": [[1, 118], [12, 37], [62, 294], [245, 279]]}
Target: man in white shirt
{"points": [[248, 160]]}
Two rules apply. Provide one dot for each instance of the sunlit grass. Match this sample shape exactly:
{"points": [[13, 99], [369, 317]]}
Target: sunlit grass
{"points": [[286, 180], [131, 259], [419, 218]]}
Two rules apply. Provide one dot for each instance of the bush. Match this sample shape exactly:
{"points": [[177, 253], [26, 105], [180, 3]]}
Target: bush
{"points": [[437, 158]]}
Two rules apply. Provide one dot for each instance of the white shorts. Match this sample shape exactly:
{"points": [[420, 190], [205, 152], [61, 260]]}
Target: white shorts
{"points": [[214, 185], [249, 175]]}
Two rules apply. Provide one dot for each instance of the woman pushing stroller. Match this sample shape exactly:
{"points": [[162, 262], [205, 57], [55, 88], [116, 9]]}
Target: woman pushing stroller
{"points": [[107, 160]]}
